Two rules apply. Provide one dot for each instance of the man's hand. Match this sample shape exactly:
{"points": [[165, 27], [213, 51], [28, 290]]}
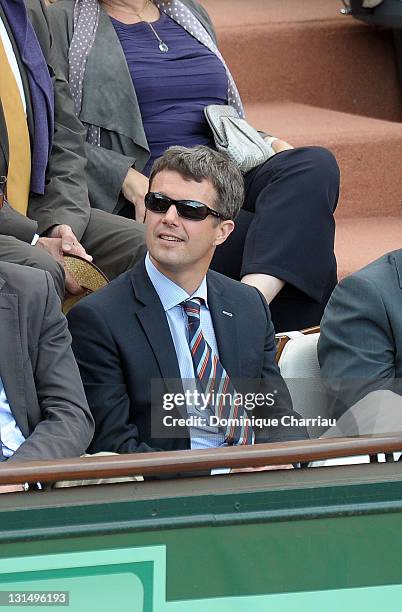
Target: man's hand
{"points": [[279, 145], [134, 189], [69, 243], [52, 246], [61, 240], [19, 488]]}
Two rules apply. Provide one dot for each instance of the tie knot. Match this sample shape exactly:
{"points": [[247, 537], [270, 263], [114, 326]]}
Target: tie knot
{"points": [[192, 307]]}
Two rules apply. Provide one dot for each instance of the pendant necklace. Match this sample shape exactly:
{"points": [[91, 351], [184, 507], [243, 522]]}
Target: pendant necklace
{"points": [[163, 48]]}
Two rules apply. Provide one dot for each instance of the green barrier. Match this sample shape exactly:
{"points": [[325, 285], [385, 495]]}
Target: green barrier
{"points": [[312, 540]]}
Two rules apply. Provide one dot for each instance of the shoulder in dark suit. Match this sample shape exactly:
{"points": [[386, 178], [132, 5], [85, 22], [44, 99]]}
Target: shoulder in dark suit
{"points": [[37, 367], [360, 347], [122, 341]]}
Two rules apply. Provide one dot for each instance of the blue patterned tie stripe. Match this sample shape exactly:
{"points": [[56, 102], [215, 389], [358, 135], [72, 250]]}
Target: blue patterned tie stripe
{"points": [[215, 380]]}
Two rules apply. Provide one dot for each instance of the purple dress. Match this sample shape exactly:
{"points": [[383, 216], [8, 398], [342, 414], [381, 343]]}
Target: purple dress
{"points": [[173, 87]]}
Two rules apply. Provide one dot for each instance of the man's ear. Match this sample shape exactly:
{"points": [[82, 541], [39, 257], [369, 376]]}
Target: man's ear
{"points": [[224, 229]]}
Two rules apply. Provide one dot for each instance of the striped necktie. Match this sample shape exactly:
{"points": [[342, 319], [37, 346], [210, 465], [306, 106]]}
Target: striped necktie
{"points": [[19, 164], [215, 380]]}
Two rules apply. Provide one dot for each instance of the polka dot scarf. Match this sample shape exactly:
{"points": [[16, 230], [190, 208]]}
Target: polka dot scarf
{"points": [[86, 19]]}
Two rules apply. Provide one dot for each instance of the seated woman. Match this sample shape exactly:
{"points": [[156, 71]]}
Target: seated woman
{"points": [[141, 73]]}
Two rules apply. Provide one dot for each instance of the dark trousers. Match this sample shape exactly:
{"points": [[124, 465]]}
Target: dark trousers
{"points": [[286, 229]]}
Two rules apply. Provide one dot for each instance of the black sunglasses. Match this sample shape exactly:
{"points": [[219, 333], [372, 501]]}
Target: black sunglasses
{"points": [[188, 209]]}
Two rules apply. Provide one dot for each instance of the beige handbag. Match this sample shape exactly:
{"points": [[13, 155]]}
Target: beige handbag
{"points": [[237, 138]]}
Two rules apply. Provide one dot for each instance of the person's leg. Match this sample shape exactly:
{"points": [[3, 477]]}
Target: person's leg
{"points": [[286, 231], [269, 285], [293, 196], [18, 252], [115, 243], [291, 237]]}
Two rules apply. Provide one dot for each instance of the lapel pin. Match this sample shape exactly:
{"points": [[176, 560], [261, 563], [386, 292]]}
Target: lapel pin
{"points": [[228, 314]]}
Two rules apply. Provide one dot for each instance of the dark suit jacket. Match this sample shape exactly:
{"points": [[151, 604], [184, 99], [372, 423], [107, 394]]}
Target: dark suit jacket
{"points": [[122, 340], [37, 367], [360, 346], [66, 198]]}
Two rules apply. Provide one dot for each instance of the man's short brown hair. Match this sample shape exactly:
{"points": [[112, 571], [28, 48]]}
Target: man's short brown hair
{"points": [[202, 162]]}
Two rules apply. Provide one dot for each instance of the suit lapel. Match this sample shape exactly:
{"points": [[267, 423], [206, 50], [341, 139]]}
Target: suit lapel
{"points": [[154, 323], [11, 358], [24, 78], [397, 257], [3, 144], [225, 317], [107, 58]]}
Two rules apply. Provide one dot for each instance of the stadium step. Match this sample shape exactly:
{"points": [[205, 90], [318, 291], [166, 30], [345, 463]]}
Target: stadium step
{"points": [[307, 52], [367, 151], [359, 241]]}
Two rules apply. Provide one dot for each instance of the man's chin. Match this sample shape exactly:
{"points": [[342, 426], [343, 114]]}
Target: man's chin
{"points": [[169, 259]]}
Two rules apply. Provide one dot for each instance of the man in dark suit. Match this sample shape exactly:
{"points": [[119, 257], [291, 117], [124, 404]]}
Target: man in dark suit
{"points": [[42, 158], [43, 410], [360, 349], [168, 327]]}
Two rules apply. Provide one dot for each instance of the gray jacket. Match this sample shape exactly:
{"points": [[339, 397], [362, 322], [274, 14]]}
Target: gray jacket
{"points": [[110, 102], [38, 369], [66, 198], [360, 346]]}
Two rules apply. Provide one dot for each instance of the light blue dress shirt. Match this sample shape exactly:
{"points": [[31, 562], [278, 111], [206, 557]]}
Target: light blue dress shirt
{"points": [[10, 434], [171, 296]]}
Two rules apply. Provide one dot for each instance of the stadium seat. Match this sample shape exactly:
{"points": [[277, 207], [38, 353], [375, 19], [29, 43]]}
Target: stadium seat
{"points": [[298, 363]]}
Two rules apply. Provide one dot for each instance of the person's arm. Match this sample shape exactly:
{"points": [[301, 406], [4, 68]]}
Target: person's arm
{"points": [[65, 201], [104, 162], [356, 348], [272, 382], [101, 369], [13, 223], [123, 179], [67, 426]]}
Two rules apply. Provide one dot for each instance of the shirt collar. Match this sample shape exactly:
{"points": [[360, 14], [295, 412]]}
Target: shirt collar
{"points": [[169, 293]]}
